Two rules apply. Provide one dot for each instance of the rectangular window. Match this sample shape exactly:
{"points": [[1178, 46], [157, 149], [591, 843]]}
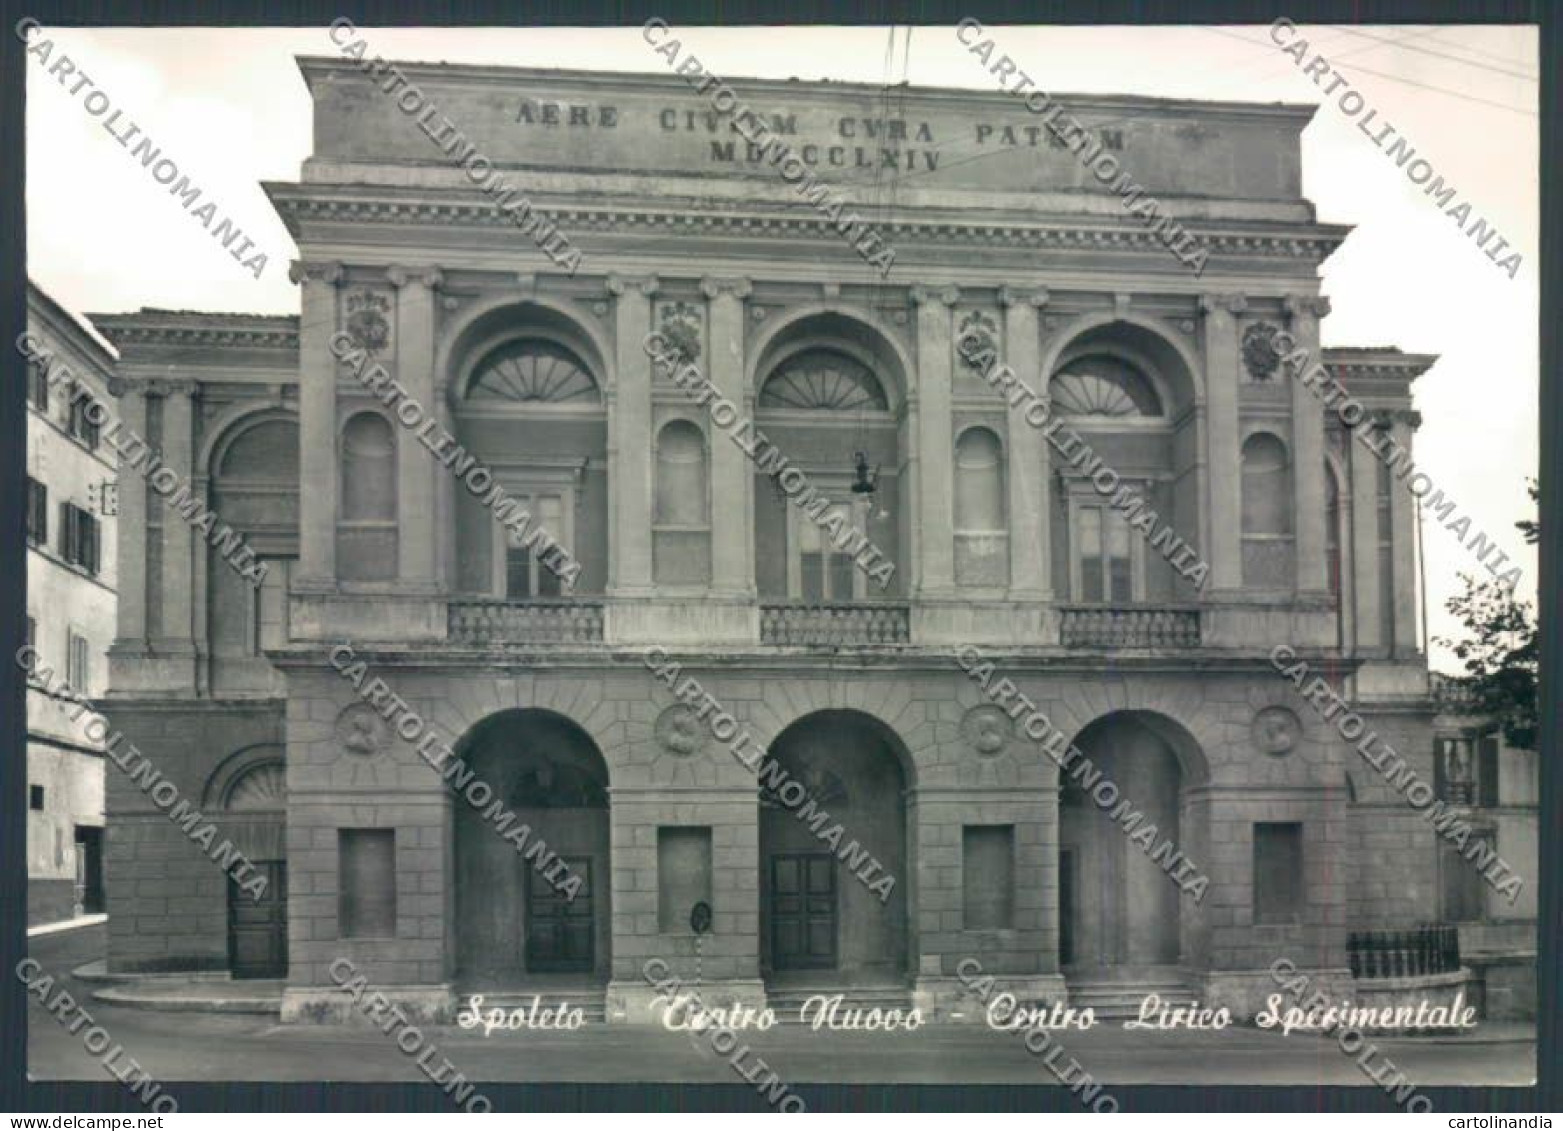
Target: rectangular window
{"points": [[32, 634], [526, 575], [79, 538], [81, 427], [1278, 872], [988, 876], [35, 798], [37, 512], [1104, 555], [366, 865], [78, 672], [683, 876], [824, 568], [1488, 795], [38, 387]]}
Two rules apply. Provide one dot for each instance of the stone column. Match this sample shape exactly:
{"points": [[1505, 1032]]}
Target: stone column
{"points": [[935, 460], [419, 538], [1222, 497], [1029, 475], [179, 542], [1364, 543], [1308, 452], [732, 530], [1403, 521], [317, 424], [629, 440], [132, 530]]}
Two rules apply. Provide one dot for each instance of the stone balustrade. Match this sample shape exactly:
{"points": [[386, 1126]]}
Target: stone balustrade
{"points": [[835, 624], [526, 622], [1147, 626]]}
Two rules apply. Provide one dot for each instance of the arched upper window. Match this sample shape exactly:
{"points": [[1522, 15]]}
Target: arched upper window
{"points": [[823, 379], [1103, 386], [1267, 513], [533, 371], [366, 536], [681, 529], [981, 544]]}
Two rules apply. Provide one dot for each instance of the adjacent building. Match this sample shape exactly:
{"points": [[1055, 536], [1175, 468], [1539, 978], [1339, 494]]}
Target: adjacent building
{"points": [[701, 557], [71, 548]]}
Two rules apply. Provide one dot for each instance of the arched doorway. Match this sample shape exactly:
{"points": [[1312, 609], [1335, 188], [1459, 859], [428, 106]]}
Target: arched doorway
{"points": [[827, 916], [247, 798], [514, 927], [1120, 913]]}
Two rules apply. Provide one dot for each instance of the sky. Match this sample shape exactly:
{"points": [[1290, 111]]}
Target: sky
{"points": [[231, 108]]}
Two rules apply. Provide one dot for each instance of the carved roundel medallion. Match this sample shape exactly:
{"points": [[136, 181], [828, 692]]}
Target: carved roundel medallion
{"points": [[987, 730], [1276, 730], [360, 730], [679, 731]]}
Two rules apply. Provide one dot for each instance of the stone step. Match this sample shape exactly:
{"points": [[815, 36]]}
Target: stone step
{"points": [[1117, 1000]]}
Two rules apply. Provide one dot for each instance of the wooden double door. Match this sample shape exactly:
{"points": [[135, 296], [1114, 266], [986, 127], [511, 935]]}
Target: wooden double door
{"points": [[805, 919]]}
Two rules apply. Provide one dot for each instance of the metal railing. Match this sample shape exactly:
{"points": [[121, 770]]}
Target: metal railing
{"points": [[1429, 948]]}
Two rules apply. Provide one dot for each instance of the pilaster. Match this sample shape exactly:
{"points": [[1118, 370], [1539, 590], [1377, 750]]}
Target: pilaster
{"points": [[418, 537], [732, 532], [1308, 453], [1222, 488], [935, 458], [1029, 475], [629, 440], [318, 474]]}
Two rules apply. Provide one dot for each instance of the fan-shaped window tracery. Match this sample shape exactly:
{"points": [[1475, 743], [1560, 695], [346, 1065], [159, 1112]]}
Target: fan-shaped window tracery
{"points": [[825, 380], [1103, 386], [533, 371]]}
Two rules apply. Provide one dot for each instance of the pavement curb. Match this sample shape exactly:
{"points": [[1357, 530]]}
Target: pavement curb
{"points": [[132, 998]]}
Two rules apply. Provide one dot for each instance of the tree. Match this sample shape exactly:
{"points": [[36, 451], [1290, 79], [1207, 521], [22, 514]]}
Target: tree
{"points": [[1501, 652]]}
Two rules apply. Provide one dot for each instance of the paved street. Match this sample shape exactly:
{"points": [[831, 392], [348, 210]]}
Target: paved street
{"points": [[191, 1046]]}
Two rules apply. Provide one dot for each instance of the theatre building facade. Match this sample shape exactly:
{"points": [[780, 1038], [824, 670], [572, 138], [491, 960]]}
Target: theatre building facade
{"points": [[585, 709]]}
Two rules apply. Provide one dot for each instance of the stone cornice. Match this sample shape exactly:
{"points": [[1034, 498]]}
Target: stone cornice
{"points": [[1378, 364], [168, 328], [296, 203]]}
